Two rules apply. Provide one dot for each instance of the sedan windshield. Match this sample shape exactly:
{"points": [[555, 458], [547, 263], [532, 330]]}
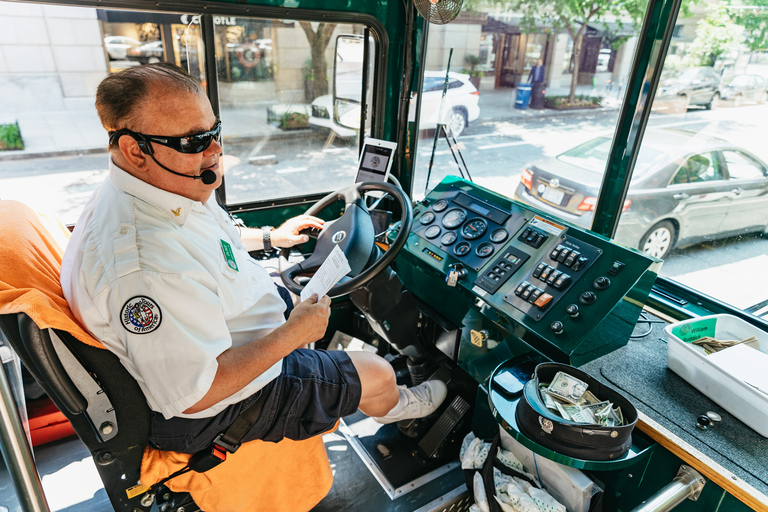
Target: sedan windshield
{"points": [[593, 156]]}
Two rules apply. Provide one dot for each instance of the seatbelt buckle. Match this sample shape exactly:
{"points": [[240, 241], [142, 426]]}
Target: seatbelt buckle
{"points": [[219, 441], [212, 456]]}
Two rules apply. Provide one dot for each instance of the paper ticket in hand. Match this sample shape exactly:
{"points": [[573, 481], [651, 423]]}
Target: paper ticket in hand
{"points": [[330, 272]]}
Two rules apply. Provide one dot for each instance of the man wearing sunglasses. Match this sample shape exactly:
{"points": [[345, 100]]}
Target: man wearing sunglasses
{"points": [[159, 273]]}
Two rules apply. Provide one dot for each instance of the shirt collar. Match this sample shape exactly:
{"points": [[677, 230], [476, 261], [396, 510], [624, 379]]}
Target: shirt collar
{"points": [[172, 206]]}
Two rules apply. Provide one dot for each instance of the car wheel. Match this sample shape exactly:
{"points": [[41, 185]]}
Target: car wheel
{"points": [[682, 104], [458, 121], [658, 240], [714, 102]]}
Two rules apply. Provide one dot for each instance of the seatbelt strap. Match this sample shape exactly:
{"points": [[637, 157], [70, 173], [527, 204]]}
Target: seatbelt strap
{"points": [[226, 442], [229, 440]]}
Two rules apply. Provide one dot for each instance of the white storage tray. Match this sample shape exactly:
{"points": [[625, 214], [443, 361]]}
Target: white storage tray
{"points": [[726, 389]]}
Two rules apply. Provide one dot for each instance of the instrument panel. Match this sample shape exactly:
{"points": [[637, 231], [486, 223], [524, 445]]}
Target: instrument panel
{"points": [[467, 227], [562, 283]]}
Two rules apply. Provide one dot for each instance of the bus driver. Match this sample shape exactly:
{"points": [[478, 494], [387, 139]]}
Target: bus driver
{"points": [[158, 272]]}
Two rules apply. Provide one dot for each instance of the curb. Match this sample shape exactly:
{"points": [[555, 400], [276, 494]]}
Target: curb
{"points": [[22, 155], [50, 154]]}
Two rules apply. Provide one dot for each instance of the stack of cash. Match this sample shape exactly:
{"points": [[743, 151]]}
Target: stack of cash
{"points": [[712, 345], [568, 396]]}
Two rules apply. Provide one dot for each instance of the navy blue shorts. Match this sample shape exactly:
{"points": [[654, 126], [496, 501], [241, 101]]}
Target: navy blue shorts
{"points": [[315, 388]]}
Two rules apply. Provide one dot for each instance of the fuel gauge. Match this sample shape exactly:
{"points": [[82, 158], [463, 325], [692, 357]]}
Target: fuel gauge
{"points": [[484, 250], [454, 218], [440, 205], [499, 235], [427, 218], [462, 249], [448, 238]]}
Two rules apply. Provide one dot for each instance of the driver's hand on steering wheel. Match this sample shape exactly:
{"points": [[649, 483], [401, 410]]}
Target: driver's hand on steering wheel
{"points": [[309, 319], [289, 234]]}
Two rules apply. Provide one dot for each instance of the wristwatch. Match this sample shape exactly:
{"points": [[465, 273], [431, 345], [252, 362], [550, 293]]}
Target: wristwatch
{"points": [[267, 241]]}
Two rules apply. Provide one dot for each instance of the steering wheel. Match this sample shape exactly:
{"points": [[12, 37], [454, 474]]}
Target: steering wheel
{"points": [[354, 233]]}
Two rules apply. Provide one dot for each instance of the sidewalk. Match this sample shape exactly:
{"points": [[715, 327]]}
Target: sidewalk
{"points": [[75, 129]]}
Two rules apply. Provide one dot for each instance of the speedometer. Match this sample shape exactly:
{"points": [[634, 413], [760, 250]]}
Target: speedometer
{"points": [[474, 229], [454, 218]]}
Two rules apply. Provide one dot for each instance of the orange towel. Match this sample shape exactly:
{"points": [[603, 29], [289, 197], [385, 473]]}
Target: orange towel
{"points": [[288, 476]]}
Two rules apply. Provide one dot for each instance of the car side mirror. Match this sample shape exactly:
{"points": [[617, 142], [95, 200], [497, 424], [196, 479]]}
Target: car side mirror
{"points": [[349, 81]]}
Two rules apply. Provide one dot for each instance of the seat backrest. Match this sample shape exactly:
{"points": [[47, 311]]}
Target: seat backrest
{"points": [[95, 392]]}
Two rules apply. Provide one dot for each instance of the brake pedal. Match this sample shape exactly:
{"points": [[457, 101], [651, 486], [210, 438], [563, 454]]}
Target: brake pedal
{"points": [[443, 427]]}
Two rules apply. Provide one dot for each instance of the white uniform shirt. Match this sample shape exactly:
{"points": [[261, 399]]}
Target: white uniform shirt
{"points": [[146, 272]]}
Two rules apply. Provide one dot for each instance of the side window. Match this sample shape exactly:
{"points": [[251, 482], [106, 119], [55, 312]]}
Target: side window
{"points": [[681, 176], [703, 167], [742, 167]]}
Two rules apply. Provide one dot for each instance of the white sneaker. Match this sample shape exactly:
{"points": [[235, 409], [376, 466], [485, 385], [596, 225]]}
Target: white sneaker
{"points": [[421, 400]]}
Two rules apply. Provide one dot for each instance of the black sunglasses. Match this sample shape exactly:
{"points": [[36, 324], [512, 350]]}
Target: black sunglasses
{"points": [[196, 143]]}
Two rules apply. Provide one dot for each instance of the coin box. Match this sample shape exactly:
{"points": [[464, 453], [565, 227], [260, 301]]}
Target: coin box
{"points": [[727, 389]]}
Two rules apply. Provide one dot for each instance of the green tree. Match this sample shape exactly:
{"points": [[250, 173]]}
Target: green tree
{"points": [[573, 16], [716, 35], [753, 16], [318, 42]]}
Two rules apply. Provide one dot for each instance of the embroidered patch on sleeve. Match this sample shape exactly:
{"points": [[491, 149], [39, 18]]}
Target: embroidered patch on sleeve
{"points": [[141, 315]]}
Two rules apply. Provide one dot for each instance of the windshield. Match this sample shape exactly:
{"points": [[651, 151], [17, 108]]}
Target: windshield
{"points": [[738, 81], [593, 156]]}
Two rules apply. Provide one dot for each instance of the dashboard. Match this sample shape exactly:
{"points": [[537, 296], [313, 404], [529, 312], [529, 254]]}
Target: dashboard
{"points": [[575, 294]]}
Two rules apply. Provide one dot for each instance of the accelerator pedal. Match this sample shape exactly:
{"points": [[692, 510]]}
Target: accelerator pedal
{"points": [[443, 427]]}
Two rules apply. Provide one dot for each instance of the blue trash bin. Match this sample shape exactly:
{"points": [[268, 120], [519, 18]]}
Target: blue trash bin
{"points": [[523, 96]]}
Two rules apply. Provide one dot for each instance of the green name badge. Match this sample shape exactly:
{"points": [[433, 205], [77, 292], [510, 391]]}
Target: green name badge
{"points": [[229, 255], [695, 330]]}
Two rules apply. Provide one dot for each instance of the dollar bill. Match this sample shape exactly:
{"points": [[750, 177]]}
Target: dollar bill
{"points": [[608, 416], [581, 414], [567, 388], [562, 411], [549, 402], [588, 398]]}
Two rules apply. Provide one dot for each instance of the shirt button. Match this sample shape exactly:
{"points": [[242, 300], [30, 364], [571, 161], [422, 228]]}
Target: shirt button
{"points": [[123, 231]]}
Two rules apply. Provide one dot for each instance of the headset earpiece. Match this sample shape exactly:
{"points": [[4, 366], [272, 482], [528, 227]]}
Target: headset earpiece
{"points": [[143, 143]]}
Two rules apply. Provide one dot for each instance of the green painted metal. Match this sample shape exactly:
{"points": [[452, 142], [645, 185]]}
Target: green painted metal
{"points": [[652, 47]]}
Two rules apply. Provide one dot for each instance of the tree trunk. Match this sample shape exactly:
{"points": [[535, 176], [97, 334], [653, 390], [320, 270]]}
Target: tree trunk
{"points": [[576, 62], [318, 42]]}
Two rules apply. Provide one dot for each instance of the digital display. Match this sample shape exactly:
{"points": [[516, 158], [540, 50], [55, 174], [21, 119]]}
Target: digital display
{"points": [[479, 209], [512, 258], [373, 166]]}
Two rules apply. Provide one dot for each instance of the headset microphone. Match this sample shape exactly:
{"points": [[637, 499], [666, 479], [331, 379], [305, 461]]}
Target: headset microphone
{"points": [[208, 177]]}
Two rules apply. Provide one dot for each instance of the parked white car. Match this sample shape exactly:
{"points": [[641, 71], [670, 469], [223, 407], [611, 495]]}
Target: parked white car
{"points": [[460, 108], [118, 46]]}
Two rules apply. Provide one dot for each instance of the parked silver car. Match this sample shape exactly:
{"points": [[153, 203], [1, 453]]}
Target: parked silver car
{"points": [[686, 188]]}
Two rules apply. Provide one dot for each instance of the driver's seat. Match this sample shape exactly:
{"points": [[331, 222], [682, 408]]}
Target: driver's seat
{"points": [[108, 410]]}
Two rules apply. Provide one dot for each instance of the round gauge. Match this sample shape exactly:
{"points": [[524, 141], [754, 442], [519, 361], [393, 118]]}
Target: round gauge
{"points": [[454, 218], [432, 232], [427, 218], [462, 249], [440, 205], [448, 238], [474, 229], [484, 250], [499, 235]]}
